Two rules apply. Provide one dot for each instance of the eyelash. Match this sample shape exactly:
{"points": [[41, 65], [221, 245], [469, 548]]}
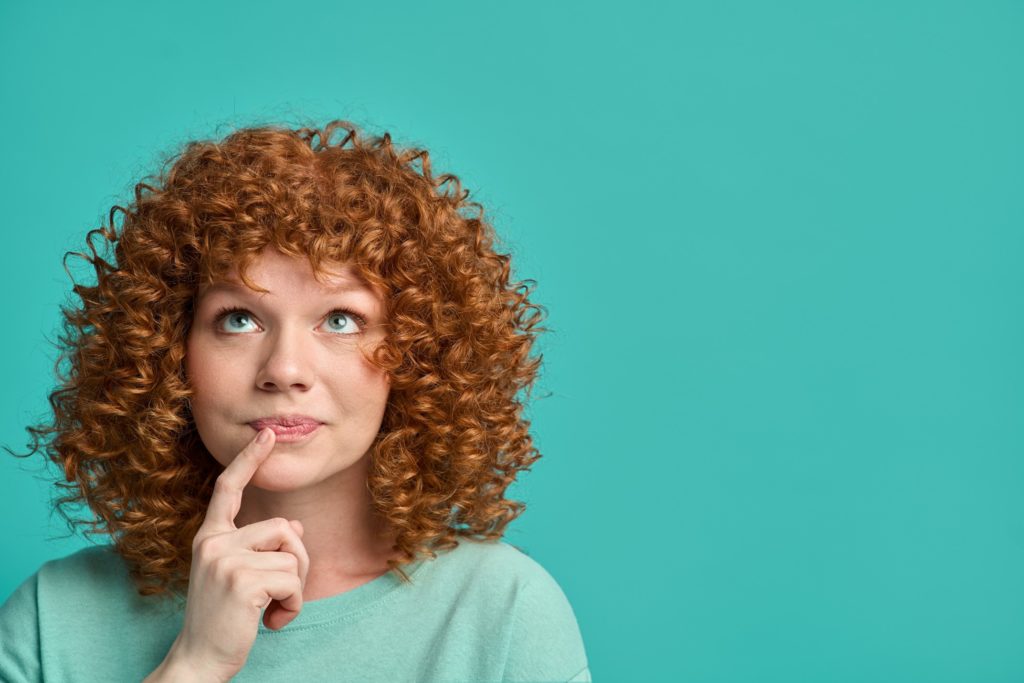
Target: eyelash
{"points": [[225, 312]]}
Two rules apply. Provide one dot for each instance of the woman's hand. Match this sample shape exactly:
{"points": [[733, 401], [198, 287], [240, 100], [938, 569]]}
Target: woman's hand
{"points": [[235, 574]]}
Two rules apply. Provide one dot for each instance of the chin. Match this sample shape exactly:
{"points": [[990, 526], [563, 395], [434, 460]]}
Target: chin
{"points": [[282, 473], [280, 479], [293, 471]]}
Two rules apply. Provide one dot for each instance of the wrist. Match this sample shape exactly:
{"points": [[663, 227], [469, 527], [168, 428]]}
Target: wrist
{"points": [[179, 669]]}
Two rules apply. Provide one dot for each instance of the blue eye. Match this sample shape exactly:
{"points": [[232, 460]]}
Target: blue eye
{"points": [[231, 313], [348, 316], [236, 313]]}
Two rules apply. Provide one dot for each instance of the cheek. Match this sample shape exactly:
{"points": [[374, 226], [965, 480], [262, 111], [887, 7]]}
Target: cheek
{"points": [[364, 390], [374, 379], [195, 365], [207, 373], [213, 401]]}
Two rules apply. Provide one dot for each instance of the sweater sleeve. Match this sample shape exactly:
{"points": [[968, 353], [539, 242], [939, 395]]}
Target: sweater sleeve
{"points": [[545, 642], [19, 635]]}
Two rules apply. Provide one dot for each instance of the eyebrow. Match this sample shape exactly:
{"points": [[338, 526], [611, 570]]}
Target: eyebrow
{"points": [[227, 286]]}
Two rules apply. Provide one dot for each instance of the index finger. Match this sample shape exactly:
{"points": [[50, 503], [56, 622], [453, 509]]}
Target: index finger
{"points": [[227, 491]]}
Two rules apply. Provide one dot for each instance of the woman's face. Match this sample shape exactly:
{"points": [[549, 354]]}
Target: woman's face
{"points": [[294, 351]]}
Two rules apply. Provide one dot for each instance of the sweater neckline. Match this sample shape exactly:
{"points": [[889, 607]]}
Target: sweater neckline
{"points": [[346, 605]]}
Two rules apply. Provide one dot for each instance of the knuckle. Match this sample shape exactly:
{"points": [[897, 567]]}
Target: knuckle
{"points": [[222, 486], [239, 580], [204, 546], [220, 568]]}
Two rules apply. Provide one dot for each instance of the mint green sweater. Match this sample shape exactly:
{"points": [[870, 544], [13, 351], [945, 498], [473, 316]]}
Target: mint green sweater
{"points": [[483, 611]]}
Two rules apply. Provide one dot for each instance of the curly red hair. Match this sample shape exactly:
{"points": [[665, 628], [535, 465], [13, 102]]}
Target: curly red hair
{"points": [[457, 348]]}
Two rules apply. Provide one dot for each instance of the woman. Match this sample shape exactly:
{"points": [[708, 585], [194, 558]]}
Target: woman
{"points": [[293, 404]]}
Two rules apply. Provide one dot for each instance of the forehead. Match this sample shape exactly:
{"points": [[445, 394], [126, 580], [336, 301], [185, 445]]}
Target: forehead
{"points": [[272, 270]]}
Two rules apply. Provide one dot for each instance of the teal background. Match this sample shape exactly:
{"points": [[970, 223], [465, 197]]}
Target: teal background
{"points": [[780, 247]]}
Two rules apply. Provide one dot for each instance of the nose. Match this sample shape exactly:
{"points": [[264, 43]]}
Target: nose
{"points": [[288, 360]]}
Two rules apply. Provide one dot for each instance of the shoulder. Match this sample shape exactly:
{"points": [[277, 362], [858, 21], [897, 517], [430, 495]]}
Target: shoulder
{"points": [[93, 572], [45, 599], [494, 556], [76, 613], [543, 637], [538, 597], [80, 571], [498, 567], [495, 559], [92, 564], [94, 580]]}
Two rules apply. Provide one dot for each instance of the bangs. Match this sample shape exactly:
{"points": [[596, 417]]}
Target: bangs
{"points": [[227, 254]]}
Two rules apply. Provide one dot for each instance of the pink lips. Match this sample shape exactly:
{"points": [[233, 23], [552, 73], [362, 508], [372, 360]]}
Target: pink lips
{"points": [[288, 428]]}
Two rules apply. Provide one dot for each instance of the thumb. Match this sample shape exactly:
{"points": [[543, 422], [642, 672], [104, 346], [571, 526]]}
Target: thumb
{"points": [[297, 525]]}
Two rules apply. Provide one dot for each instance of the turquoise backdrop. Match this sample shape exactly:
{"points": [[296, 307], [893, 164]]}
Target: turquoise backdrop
{"points": [[780, 245]]}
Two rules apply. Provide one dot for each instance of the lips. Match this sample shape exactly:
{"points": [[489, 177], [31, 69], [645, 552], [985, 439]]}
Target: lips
{"points": [[288, 427], [284, 421]]}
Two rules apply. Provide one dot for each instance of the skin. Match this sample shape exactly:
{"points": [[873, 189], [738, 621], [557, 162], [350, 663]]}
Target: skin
{"points": [[291, 354], [287, 522]]}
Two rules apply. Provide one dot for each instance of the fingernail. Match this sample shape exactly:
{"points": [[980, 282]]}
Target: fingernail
{"points": [[263, 436]]}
